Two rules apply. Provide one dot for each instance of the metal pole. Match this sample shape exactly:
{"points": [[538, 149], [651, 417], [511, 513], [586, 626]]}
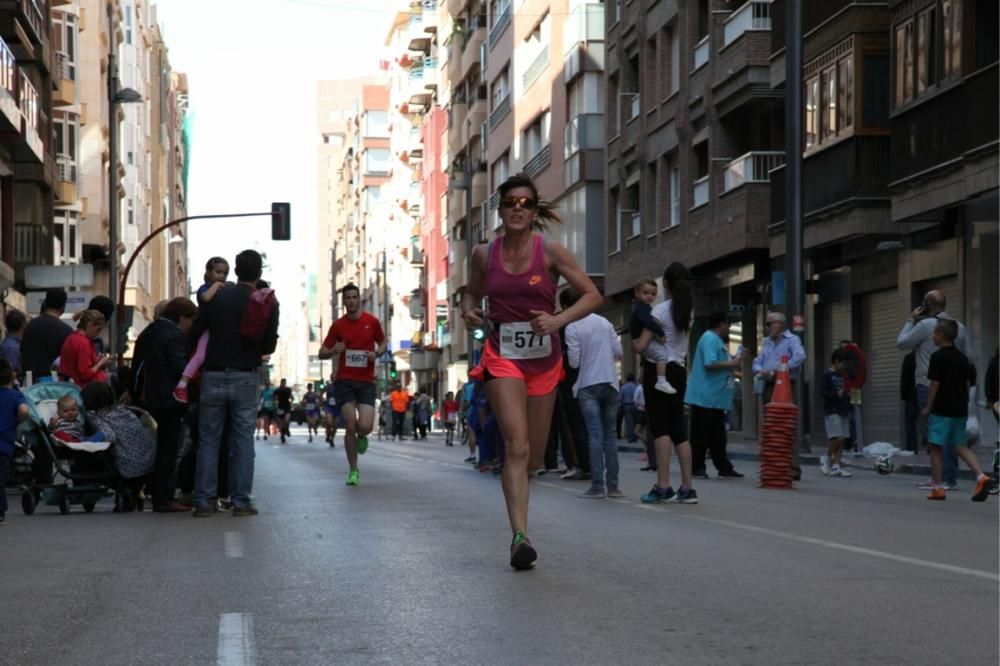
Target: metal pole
{"points": [[113, 329], [469, 244], [794, 270]]}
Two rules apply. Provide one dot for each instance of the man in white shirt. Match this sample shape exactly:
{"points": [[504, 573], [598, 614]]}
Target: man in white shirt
{"points": [[592, 345]]}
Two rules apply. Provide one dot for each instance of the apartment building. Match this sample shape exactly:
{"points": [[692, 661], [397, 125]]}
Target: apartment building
{"points": [[27, 153]]}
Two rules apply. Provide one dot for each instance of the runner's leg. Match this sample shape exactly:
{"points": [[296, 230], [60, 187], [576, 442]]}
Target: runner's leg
{"points": [[365, 421], [349, 414]]}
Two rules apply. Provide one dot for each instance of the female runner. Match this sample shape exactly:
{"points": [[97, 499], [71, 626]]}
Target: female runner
{"points": [[522, 360]]}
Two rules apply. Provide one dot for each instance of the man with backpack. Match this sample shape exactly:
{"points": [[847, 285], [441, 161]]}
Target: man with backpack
{"points": [[242, 323], [354, 341]]}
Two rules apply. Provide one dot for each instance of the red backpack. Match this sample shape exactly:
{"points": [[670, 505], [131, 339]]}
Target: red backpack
{"points": [[258, 313]]}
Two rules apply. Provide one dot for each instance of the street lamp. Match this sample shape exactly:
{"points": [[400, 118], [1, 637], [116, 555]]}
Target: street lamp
{"points": [[116, 96]]}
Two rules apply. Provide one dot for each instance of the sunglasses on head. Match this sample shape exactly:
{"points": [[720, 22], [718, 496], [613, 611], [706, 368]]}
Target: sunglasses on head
{"points": [[527, 203]]}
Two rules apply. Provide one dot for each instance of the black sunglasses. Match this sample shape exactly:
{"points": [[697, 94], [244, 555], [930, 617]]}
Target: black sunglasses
{"points": [[527, 203]]}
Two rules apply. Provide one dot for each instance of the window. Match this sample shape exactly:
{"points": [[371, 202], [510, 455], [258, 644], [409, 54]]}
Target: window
{"points": [[377, 160], [617, 11], [128, 25], [904, 62], [675, 60], [536, 135], [501, 170], [829, 96], [501, 87], [377, 124], [674, 174], [925, 50], [951, 19]]}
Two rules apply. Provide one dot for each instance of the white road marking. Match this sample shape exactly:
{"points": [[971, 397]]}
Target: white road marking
{"points": [[235, 647], [234, 544]]}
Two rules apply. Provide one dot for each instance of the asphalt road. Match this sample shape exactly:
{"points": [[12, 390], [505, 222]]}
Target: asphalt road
{"points": [[411, 567]]}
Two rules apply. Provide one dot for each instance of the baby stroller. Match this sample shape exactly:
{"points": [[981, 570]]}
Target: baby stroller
{"points": [[63, 474]]}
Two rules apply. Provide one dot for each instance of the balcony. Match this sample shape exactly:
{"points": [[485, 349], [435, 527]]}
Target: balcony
{"points": [[432, 75], [66, 181], [583, 132], [10, 112], [415, 38], [501, 111], [471, 51], [945, 128], [459, 112], [500, 25], [456, 205], [699, 192], [416, 255], [539, 163], [64, 77], [473, 123], [701, 52], [754, 167], [753, 16], [479, 193], [30, 21], [415, 91], [31, 114], [536, 68], [853, 172]]}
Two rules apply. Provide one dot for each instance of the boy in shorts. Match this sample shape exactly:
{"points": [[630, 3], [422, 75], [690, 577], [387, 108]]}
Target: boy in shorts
{"points": [[948, 409], [837, 413], [13, 410]]}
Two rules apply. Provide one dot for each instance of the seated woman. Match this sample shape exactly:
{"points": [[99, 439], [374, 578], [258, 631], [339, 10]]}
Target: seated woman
{"points": [[134, 446]]}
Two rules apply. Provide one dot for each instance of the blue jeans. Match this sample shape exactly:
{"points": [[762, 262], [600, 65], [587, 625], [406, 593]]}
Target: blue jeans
{"points": [[949, 469], [629, 412], [599, 404], [226, 396]]}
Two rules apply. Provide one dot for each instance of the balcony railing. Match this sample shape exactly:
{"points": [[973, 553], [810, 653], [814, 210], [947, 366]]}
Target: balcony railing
{"points": [[699, 192], [701, 53], [754, 15], [754, 167], [430, 63], [540, 162], [8, 69], [583, 132], [500, 25], [66, 167], [537, 66], [500, 112], [28, 100], [635, 225], [28, 239], [417, 72], [66, 67]]}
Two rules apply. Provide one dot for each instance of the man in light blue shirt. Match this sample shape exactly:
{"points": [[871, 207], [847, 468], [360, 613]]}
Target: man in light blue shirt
{"points": [[709, 394], [780, 342]]}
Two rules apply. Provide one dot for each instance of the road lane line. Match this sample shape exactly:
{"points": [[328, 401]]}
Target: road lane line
{"points": [[235, 647], [234, 544]]}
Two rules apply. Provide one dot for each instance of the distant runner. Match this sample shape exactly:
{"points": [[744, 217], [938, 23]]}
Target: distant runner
{"points": [[355, 340], [331, 413], [310, 404], [283, 410]]}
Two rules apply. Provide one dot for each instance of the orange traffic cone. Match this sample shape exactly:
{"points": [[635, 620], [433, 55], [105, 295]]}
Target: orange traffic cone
{"points": [[783, 383]]}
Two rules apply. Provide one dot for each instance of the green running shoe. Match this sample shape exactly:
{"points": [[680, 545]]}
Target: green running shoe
{"points": [[352, 478], [362, 445], [522, 554]]}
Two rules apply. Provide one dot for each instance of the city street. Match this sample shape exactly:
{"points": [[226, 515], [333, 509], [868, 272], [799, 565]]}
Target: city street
{"points": [[411, 567]]}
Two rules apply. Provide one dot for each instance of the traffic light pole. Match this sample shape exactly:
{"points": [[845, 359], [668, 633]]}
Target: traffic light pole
{"points": [[120, 304]]}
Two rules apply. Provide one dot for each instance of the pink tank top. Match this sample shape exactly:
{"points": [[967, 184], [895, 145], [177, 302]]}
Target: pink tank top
{"points": [[513, 296]]}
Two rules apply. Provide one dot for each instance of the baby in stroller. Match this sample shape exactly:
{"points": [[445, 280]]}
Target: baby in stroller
{"points": [[134, 445], [67, 426]]}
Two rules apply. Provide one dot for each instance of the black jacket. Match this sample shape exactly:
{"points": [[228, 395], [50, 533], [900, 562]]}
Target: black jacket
{"points": [[159, 360]]}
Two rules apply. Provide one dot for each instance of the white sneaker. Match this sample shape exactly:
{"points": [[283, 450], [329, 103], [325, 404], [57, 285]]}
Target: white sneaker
{"points": [[665, 387], [824, 465], [837, 470], [570, 472], [927, 485]]}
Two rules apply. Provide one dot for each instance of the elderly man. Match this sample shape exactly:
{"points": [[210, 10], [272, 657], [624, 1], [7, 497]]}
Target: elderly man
{"points": [[780, 342], [917, 334]]}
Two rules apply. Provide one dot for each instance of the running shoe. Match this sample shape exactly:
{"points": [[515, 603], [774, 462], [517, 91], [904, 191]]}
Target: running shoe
{"points": [[937, 494], [470, 459], [837, 470], [362, 445], [982, 491], [352, 478], [522, 553], [824, 465], [657, 495], [686, 496], [614, 492], [180, 394]]}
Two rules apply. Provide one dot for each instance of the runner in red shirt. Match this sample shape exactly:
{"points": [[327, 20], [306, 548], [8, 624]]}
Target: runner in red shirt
{"points": [[355, 341], [449, 410]]}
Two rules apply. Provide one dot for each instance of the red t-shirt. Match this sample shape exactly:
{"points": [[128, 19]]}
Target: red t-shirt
{"points": [[359, 336], [450, 410]]}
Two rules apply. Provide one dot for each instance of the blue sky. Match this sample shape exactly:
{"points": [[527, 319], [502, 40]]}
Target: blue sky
{"points": [[252, 67]]}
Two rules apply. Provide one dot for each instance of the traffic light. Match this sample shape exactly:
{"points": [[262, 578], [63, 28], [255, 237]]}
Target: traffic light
{"points": [[281, 221], [393, 374]]}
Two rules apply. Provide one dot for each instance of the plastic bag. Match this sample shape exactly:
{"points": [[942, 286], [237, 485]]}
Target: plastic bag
{"points": [[972, 430], [879, 449]]}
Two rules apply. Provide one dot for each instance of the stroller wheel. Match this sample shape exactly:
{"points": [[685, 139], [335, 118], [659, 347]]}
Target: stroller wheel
{"points": [[63, 505], [28, 502]]}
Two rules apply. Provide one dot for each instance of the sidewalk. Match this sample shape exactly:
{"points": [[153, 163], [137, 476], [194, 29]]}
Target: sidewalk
{"points": [[741, 448]]}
